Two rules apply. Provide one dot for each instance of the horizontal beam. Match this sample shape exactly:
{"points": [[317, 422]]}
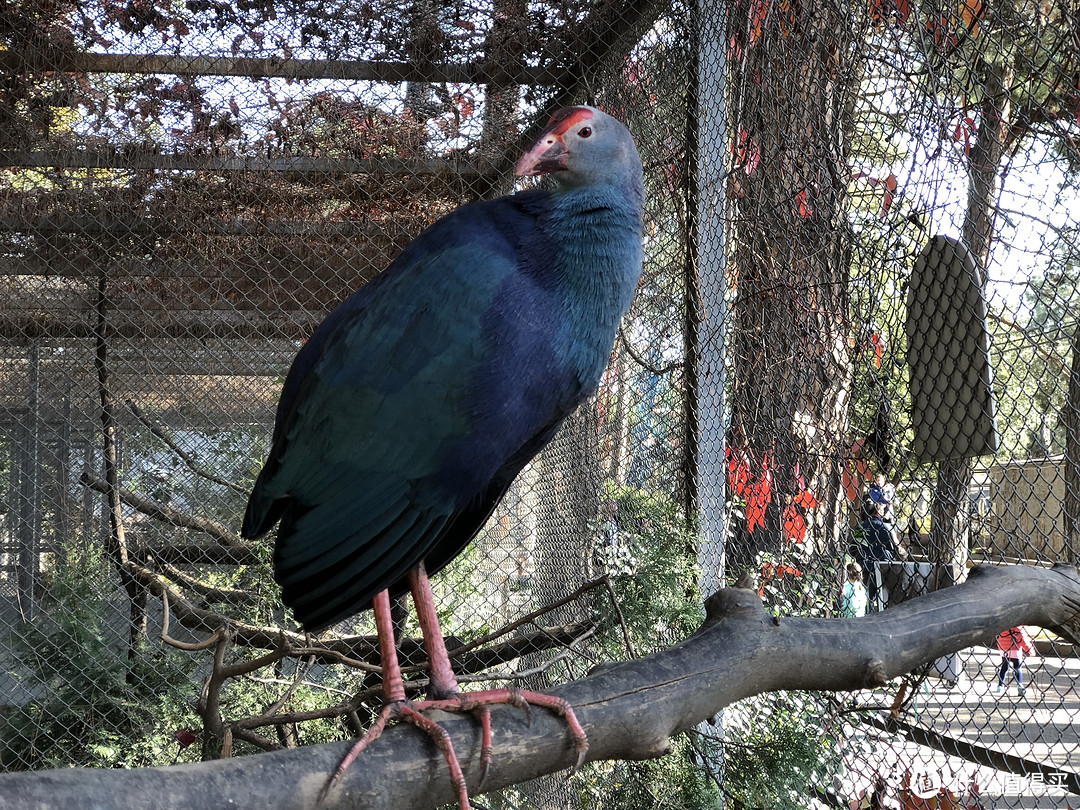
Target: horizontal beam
{"points": [[143, 159], [64, 61], [20, 327], [160, 226]]}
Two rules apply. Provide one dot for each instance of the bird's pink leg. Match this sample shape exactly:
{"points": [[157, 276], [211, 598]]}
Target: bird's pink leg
{"points": [[448, 696], [397, 708]]}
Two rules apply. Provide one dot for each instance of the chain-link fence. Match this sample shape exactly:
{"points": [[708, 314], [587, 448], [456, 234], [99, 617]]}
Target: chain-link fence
{"points": [[852, 368]]}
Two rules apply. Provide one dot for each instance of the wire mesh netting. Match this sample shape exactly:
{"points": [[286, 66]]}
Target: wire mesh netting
{"points": [[851, 369]]}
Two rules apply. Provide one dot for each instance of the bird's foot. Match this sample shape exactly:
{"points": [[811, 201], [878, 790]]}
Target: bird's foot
{"points": [[403, 711], [476, 703]]}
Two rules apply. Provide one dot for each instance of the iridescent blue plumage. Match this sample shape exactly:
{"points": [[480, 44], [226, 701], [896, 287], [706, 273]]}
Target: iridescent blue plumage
{"points": [[410, 410]]}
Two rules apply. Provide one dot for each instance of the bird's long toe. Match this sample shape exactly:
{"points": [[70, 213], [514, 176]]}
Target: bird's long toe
{"points": [[478, 703], [403, 711]]}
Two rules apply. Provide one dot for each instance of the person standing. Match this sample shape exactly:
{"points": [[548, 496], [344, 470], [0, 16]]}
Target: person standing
{"points": [[874, 544], [853, 596], [1013, 644]]}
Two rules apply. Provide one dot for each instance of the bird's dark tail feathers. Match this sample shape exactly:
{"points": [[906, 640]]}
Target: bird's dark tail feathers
{"points": [[262, 512]]}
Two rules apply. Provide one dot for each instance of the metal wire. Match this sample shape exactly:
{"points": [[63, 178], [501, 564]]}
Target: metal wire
{"points": [[859, 297]]}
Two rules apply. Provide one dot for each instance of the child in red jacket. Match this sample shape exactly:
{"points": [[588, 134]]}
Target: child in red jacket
{"points": [[1014, 644]]}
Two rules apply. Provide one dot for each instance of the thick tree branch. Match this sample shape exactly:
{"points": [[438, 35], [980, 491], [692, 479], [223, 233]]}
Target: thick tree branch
{"points": [[629, 710], [71, 61]]}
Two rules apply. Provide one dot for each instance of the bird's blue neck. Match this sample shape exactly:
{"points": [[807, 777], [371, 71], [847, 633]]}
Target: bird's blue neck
{"points": [[598, 233]]}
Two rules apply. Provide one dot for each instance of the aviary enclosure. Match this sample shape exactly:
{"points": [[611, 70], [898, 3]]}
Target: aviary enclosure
{"points": [[861, 282]]}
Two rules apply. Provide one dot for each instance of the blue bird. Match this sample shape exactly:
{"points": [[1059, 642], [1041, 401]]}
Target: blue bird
{"points": [[406, 416]]}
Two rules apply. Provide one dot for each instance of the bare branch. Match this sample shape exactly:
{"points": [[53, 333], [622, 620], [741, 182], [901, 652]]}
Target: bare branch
{"points": [[183, 455], [165, 513]]}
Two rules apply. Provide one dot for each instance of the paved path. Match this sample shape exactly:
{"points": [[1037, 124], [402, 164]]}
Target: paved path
{"points": [[1043, 726]]}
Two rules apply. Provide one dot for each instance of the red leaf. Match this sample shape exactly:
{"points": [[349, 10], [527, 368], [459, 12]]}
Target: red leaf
{"points": [[734, 50], [806, 500], [880, 10], [466, 103], [738, 471], [759, 11], [941, 30], [794, 525], [757, 500], [964, 130], [847, 481], [185, 737], [746, 151], [887, 199], [755, 515], [970, 10], [879, 348], [805, 211]]}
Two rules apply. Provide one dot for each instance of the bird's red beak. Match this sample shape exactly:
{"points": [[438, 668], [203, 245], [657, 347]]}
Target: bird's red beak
{"points": [[549, 153]]}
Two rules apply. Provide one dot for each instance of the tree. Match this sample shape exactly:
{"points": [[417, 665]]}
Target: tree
{"points": [[629, 710], [789, 190], [1004, 94]]}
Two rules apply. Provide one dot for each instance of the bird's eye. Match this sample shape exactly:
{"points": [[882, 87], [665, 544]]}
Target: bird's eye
{"points": [[584, 132]]}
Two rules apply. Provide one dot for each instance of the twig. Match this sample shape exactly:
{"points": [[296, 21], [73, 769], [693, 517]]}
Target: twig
{"points": [[182, 645], [250, 665], [346, 709], [164, 513], [300, 675], [618, 612], [659, 371], [321, 687], [528, 617], [358, 652], [528, 673], [334, 657], [187, 458]]}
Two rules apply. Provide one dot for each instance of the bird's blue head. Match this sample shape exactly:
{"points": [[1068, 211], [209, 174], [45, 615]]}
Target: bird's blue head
{"points": [[584, 146]]}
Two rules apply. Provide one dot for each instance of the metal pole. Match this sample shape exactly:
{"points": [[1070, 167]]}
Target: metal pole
{"points": [[30, 491], [708, 137], [710, 114]]}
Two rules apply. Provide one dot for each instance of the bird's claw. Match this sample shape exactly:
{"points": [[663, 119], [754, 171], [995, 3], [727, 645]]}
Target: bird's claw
{"points": [[477, 703], [403, 711]]}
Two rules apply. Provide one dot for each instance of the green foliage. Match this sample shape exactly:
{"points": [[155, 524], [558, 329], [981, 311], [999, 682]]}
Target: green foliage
{"points": [[96, 707], [776, 749], [674, 782], [651, 556]]}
